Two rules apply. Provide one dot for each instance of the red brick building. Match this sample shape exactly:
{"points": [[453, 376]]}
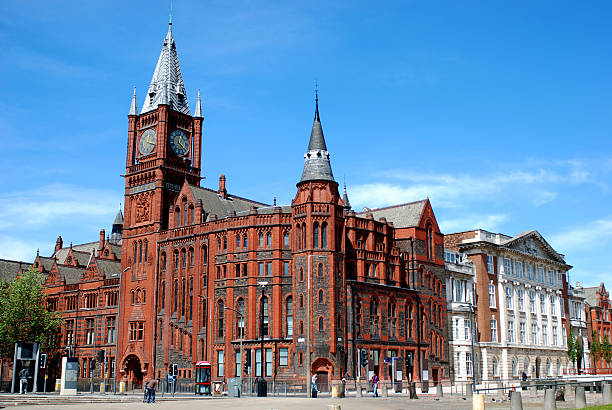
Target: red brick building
{"points": [[599, 321], [189, 258]]}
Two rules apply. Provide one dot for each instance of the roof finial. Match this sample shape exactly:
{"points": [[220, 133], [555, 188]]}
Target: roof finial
{"points": [[198, 109], [170, 23], [316, 101], [133, 107]]}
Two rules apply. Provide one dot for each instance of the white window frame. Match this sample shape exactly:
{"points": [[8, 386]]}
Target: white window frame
{"points": [[491, 295], [493, 330]]}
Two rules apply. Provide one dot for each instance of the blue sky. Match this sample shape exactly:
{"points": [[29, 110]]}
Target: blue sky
{"points": [[498, 111]]}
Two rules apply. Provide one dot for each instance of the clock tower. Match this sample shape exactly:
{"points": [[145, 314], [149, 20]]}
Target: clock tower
{"points": [[163, 151]]}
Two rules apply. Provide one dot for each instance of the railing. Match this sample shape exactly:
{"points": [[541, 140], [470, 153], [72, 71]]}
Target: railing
{"points": [[588, 371]]}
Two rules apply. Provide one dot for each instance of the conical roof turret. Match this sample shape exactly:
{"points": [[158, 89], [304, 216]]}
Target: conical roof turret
{"points": [[345, 199], [316, 161], [167, 86]]}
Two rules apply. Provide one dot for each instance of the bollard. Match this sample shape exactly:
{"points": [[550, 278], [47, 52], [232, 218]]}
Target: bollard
{"points": [[439, 392], [516, 401], [580, 397], [607, 393], [478, 402], [357, 389], [468, 390], [384, 390], [549, 400]]}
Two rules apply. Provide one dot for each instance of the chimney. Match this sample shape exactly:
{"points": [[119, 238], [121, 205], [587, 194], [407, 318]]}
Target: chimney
{"points": [[222, 190], [59, 243], [102, 238]]}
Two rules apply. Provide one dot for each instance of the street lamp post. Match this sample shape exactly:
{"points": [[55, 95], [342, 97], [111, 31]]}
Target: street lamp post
{"points": [[263, 353], [241, 339], [118, 326]]}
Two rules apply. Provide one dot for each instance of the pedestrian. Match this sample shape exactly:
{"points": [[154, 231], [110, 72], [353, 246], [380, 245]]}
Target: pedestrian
{"points": [[151, 387], [24, 375], [375, 381], [314, 388]]}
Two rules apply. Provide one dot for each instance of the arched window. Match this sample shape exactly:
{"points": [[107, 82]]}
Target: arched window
{"points": [[324, 235], [320, 268], [177, 217], [303, 235], [220, 315], [132, 297], [204, 255], [315, 235], [264, 301], [301, 275], [373, 270], [245, 241], [163, 261], [495, 367], [299, 236], [301, 328], [286, 240], [135, 251], [429, 243], [237, 241], [321, 324], [185, 212], [268, 240], [514, 367], [392, 319], [191, 214], [261, 240], [191, 257], [321, 296], [139, 251], [146, 249], [301, 301], [183, 258], [218, 244], [289, 312], [176, 260], [526, 366], [240, 318]]}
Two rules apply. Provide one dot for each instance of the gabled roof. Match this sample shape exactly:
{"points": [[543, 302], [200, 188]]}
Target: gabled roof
{"points": [[592, 294], [167, 85], [80, 252], [10, 269], [71, 274], [213, 203], [403, 216]]}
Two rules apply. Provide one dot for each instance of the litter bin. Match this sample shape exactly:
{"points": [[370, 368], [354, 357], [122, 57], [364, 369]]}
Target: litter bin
{"points": [[262, 387], [217, 388], [233, 387]]}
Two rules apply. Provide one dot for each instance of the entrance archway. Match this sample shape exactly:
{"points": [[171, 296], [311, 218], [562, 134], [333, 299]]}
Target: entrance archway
{"points": [[133, 372], [538, 361], [324, 370]]}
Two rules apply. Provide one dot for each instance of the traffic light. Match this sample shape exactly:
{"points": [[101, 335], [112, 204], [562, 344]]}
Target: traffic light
{"points": [[364, 357], [174, 369], [43, 361]]}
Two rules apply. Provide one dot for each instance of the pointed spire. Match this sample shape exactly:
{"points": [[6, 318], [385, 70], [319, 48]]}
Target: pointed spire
{"points": [[167, 86], [133, 107], [316, 163], [345, 199], [198, 108]]}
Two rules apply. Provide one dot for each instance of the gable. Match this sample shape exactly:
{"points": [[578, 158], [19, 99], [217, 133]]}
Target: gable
{"points": [[427, 216], [532, 243]]}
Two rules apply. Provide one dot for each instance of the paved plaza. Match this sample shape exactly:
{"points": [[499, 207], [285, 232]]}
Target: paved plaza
{"points": [[85, 402]]}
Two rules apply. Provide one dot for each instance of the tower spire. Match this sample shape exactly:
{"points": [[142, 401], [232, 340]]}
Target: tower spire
{"points": [[316, 161], [347, 204], [167, 86]]}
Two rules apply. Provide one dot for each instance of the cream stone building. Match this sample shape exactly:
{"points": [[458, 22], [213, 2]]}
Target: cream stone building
{"points": [[521, 303]]}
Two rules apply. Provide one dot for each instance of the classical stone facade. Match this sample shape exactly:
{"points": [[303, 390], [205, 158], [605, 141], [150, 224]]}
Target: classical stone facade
{"points": [[521, 303]]}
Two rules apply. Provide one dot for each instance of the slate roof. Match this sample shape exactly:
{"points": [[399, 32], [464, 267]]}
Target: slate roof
{"points": [[402, 216], [9, 269], [81, 254], [591, 294], [214, 204], [47, 263], [108, 267], [316, 161], [167, 86], [70, 273]]}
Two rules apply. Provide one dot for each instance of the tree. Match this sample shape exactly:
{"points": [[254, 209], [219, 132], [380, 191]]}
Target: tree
{"points": [[606, 352], [23, 314], [595, 349]]}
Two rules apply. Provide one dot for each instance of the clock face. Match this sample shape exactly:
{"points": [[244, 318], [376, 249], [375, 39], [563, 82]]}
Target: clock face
{"points": [[179, 142], [147, 142]]}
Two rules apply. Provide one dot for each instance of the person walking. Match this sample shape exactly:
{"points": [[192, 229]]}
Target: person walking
{"points": [[313, 383], [24, 375], [375, 381], [151, 387]]}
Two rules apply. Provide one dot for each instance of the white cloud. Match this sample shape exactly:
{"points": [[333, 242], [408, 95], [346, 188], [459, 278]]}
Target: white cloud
{"points": [[584, 237], [43, 206], [488, 222], [20, 250]]}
